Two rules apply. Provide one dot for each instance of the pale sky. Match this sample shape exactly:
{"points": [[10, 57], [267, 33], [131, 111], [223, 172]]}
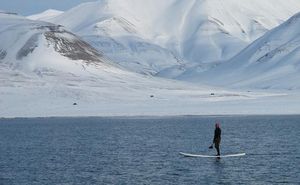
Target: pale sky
{"points": [[29, 7]]}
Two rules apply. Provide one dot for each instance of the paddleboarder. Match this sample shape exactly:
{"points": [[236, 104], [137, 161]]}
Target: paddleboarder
{"points": [[217, 138]]}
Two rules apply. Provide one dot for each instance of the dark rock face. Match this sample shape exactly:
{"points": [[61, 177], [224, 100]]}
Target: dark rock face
{"points": [[3, 54], [28, 47], [65, 43], [71, 46]]}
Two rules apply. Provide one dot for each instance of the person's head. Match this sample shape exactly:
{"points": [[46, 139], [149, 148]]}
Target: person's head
{"points": [[217, 125]]}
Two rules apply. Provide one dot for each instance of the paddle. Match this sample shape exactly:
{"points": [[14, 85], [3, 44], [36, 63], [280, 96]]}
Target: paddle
{"points": [[211, 146]]}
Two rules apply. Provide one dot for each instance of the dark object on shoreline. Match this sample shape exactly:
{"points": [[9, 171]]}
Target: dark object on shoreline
{"points": [[8, 13], [74, 103], [151, 96], [212, 94]]}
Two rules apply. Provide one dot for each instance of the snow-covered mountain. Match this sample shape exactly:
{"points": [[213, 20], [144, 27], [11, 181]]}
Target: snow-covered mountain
{"points": [[46, 70], [34, 45], [272, 61], [46, 15], [171, 36]]}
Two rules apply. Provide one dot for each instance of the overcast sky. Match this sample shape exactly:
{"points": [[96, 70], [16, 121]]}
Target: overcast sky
{"points": [[29, 7]]}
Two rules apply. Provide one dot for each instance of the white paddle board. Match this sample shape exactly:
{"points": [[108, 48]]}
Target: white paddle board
{"points": [[212, 156]]}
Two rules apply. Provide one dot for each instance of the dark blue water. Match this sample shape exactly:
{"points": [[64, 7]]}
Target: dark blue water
{"points": [[145, 150]]}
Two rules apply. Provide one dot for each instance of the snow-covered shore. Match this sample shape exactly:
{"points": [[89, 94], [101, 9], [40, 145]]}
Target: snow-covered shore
{"points": [[115, 99]]}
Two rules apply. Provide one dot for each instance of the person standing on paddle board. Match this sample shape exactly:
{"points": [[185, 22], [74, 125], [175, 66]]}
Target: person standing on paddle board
{"points": [[217, 138]]}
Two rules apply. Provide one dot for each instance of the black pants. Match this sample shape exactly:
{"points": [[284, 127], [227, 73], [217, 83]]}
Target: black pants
{"points": [[217, 145]]}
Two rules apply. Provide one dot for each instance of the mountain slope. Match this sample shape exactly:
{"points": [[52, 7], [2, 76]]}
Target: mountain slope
{"points": [[151, 36], [272, 61], [46, 15], [35, 45]]}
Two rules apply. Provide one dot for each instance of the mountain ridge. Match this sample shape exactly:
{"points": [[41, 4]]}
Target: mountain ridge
{"points": [[174, 35], [272, 61]]}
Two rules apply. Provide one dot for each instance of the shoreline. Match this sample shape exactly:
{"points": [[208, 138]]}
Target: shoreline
{"points": [[147, 116]]}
